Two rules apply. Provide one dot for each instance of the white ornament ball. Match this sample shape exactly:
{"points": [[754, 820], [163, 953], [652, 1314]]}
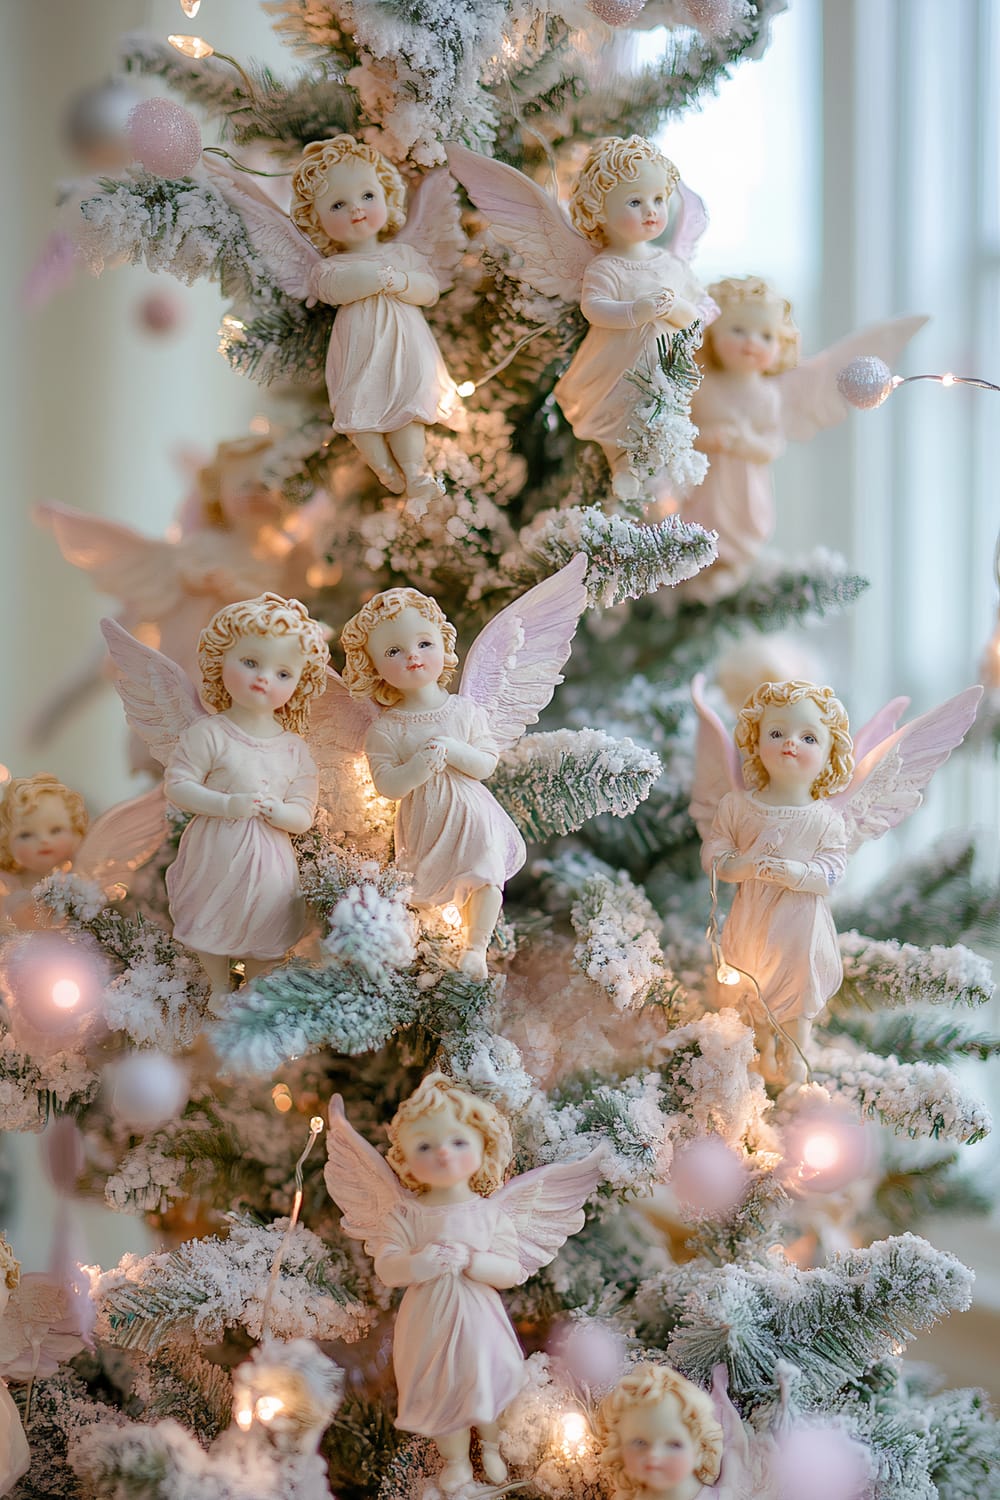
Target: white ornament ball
{"points": [[617, 12], [866, 382], [713, 18], [146, 1089], [95, 126], [165, 137], [705, 1175]]}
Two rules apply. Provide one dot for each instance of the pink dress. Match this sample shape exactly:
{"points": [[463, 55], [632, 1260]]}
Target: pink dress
{"points": [[383, 367], [594, 394], [234, 886], [456, 1356], [784, 938], [451, 833]]}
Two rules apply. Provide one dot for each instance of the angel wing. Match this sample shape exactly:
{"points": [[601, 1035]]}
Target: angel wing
{"points": [[140, 571], [553, 255], [434, 225], [810, 400], [37, 1331], [359, 1180], [123, 838], [546, 1206], [689, 225], [717, 766], [747, 1457], [159, 697], [284, 249], [338, 725], [514, 664], [888, 783], [878, 727]]}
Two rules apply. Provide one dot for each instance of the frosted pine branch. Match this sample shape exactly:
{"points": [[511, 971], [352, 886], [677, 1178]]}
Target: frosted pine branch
{"points": [[920, 1098], [553, 783], [28, 1085], [619, 942], [890, 973], [209, 1285], [625, 560], [911, 1191], [310, 26], [328, 873], [914, 1036]]}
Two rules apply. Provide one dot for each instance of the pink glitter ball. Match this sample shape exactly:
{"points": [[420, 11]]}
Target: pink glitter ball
{"points": [[712, 17], [617, 12], [165, 137]]}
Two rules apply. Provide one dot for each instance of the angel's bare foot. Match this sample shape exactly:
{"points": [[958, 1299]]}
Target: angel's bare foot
{"points": [[392, 480], [421, 488], [472, 962], [455, 1476], [493, 1465]]}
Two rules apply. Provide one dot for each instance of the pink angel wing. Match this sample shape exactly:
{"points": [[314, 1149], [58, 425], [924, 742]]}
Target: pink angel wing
{"points": [[689, 225], [810, 400], [159, 697], [514, 664], [878, 727], [338, 725], [284, 249], [37, 1329], [55, 267], [140, 571], [123, 839], [434, 226], [553, 255], [717, 766], [888, 783], [546, 1206], [359, 1180]]}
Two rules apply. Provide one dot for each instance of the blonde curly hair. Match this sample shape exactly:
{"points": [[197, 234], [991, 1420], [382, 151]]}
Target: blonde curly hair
{"points": [[210, 475], [839, 766], [309, 180], [360, 674], [437, 1091], [21, 796], [610, 162], [647, 1385], [736, 291], [10, 1266], [268, 614]]}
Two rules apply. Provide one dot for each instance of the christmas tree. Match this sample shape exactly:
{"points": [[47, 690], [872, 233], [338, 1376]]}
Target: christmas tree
{"points": [[754, 1178]]}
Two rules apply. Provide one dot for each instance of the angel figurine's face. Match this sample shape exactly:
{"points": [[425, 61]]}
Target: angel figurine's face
{"points": [[44, 838], [407, 652], [794, 743], [636, 211], [351, 208], [262, 671], [746, 337], [440, 1150], [657, 1448]]}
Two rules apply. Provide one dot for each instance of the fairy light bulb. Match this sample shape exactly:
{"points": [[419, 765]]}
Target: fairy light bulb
{"points": [[466, 388], [244, 1418], [66, 994], [574, 1433], [281, 1098], [190, 8], [726, 974], [821, 1151], [267, 1408], [948, 379], [192, 46], [451, 916], [316, 1124]]}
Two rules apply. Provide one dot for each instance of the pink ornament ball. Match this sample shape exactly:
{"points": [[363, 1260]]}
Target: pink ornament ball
{"points": [[591, 1355], [865, 382], [712, 18], [165, 137], [821, 1462], [617, 12], [707, 1177], [159, 313]]}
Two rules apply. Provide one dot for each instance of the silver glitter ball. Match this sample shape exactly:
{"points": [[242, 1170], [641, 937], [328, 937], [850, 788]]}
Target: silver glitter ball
{"points": [[865, 382]]}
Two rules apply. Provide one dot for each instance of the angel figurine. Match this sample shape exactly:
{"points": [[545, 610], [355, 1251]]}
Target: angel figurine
{"points": [[782, 825], [452, 1236], [44, 830], [431, 750], [241, 537], [243, 769], [604, 256], [661, 1437], [755, 397], [359, 252]]}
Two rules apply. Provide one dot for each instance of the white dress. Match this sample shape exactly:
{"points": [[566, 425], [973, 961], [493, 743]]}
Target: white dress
{"points": [[784, 938], [596, 398], [234, 886], [383, 366], [451, 833], [455, 1354]]}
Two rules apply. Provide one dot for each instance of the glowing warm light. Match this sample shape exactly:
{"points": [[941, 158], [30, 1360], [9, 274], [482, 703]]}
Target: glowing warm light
{"points": [[574, 1433], [948, 379], [316, 1124], [65, 994], [192, 46], [4, 774], [281, 1098], [116, 892], [726, 974], [821, 1151], [244, 1419], [466, 388], [268, 1407], [451, 916], [260, 424], [190, 8]]}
